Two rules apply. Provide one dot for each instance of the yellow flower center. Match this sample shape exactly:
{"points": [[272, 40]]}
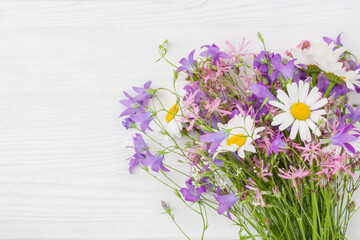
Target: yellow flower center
{"points": [[172, 112], [300, 111], [238, 139]]}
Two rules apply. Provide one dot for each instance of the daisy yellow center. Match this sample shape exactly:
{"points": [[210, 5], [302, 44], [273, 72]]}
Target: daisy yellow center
{"points": [[172, 112], [238, 139], [300, 111]]}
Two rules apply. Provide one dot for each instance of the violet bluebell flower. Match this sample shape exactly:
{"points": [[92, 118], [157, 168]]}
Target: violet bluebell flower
{"points": [[286, 69], [156, 162], [261, 62], [188, 65], [141, 151], [144, 93], [215, 139], [354, 113], [345, 136], [339, 89], [265, 59], [277, 143], [344, 140], [131, 105], [225, 201], [191, 193], [213, 52], [144, 118], [337, 41], [128, 123], [262, 92]]}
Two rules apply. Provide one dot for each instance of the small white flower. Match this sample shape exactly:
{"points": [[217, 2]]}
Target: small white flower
{"points": [[300, 110], [222, 184], [241, 133]]}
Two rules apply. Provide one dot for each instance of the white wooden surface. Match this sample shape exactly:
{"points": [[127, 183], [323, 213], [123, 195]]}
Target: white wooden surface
{"points": [[63, 67]]}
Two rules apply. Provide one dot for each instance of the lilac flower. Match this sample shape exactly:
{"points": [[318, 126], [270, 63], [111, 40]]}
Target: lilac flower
{"points": [[277, 143], [337, 42], [265, 59], [144, 94], [261, 62], [225, 201], [189, 64], [131, 105], [344, 138], [135, 107], [213, 52], [354, 113], [134, 103], [339, 89], [191, 193], [135, 160], [156, 162], [215, 139], [287, 70], [144, 118], [141, 151], [261, 92], [128, 123]]}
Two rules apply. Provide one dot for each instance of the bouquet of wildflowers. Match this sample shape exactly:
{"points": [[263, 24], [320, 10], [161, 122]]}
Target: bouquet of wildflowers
{"points": [[269, 140]]}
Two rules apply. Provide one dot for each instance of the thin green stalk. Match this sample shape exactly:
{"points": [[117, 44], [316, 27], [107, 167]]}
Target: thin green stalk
{"points": [[331, 86]]}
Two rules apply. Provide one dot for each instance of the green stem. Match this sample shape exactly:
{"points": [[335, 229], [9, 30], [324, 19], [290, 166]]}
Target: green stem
{"points": [[313, 82], [331, 86], [314, 204]]}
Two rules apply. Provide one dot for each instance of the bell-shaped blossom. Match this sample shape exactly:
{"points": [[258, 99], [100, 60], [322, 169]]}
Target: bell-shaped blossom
{"points": [[213, 52], [188, 64], [192, 193], [277, 143], [156, 162], [225, 201], [215, 139], [141, 151]]}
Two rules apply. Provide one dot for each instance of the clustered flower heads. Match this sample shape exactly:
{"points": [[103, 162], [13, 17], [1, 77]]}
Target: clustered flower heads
{"points": [[272, 140]]}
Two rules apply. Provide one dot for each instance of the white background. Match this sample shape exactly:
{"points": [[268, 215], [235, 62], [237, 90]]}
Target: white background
{"points": [[63, 67]]}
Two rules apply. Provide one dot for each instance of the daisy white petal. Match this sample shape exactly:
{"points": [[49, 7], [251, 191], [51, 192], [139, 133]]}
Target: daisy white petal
{"points": [[294, 129], [319, 104]]}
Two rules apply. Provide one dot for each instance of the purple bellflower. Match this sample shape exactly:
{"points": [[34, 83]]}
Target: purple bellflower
{"points": [[144, 93], [191, 193], [286, 70], [128, 123], [188, 65], [354, 113], [141, 151], [339, 89], [261, 92], [144, 118], [156, 162], [213, 52], [215, 139], [337, 41], [277, 143], [345, 135], [225, 201], [135, 107]]}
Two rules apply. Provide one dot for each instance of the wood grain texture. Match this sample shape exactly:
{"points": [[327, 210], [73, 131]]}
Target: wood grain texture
{"points": [[63, 67]]}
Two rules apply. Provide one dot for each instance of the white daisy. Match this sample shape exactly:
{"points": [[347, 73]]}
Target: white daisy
{"points": [[241, 133], [321, 55], [172, 121], [327, 59], [300, 110]]}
